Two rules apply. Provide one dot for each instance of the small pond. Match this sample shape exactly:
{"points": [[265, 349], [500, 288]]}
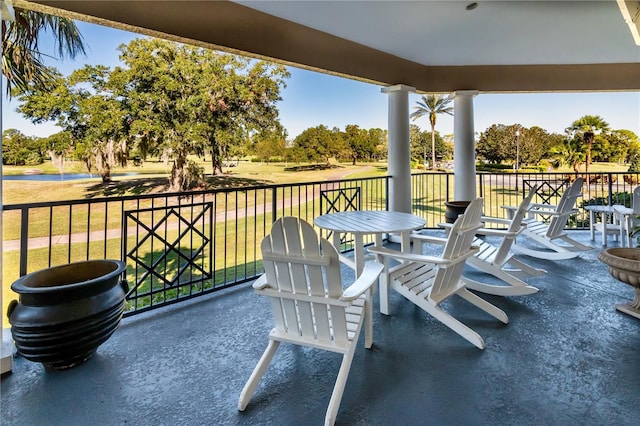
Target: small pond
{"points": [[69, 176]]}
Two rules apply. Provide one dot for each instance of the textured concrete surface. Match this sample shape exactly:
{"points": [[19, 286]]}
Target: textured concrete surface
{"points": [[566, 358]]}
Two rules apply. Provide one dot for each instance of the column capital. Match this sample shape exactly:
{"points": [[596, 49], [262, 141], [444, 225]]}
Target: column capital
{"points": [[466, 93], [398, 88]]}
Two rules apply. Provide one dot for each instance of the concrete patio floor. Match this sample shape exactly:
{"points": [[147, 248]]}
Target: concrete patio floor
{"points": [[567, 357]]}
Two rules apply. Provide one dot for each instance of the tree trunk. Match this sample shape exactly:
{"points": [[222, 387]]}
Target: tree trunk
{"points": [[588, 139], [88, 164], [433, 147], [105, 174], [102, 165], [176, 181], [576, 167], [216, 155]]}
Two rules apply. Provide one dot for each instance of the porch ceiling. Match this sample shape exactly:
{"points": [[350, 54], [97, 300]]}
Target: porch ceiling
{"points": [[435, 46]]}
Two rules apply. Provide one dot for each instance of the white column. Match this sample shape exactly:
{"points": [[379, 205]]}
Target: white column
{"points": [[399, 161], [464, 155], [6, 344]]}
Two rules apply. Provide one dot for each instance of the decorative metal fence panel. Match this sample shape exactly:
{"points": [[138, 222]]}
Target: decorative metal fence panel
{"points": [[340, 200], [169, 257], [224, 240]]}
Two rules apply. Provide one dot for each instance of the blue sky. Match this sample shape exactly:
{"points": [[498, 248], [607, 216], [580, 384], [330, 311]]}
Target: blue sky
{"points": [[311, 99]]}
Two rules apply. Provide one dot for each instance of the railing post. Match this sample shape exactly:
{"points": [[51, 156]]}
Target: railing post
{"points": [[481, 177], [274, 203], [610, 185], [386, 189], [447, 187], [24, 240]]}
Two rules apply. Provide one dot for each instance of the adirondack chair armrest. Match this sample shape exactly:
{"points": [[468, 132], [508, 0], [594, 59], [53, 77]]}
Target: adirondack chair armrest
{"points": [[498, 232], [552, 213], [510, 209], [369, 275], [421, 258], [492, 219], [430, 239], [542, 208], [448, 227]]}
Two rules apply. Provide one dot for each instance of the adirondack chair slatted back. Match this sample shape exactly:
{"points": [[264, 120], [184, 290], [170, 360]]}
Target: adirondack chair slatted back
{"points": [[564, 209], [635, 201], [458, 243], [298, 263], [516, 222]]}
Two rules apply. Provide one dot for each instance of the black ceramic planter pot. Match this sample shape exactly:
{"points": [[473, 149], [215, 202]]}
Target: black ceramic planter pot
{"points": [[453, 209], [67, 311]]}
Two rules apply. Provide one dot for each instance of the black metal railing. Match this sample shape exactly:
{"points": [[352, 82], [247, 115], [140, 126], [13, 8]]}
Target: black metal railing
{"points": [[178, 246]]}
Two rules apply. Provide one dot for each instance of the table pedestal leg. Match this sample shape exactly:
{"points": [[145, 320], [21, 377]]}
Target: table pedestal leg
{"points": [[358, 253], [383, 282]]}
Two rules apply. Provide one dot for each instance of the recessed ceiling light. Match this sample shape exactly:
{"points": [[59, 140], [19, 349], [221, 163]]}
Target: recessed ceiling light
{"points": [[472, 6]]}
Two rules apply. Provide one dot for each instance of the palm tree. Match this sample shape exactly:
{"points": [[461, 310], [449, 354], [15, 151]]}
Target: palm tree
{"points": [[433, 105], [568, 152], [22, 63], [588, 126]]}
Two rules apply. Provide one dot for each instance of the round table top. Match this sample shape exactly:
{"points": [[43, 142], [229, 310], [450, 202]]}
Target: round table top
{"points": [[600, 208], [369, 221]]}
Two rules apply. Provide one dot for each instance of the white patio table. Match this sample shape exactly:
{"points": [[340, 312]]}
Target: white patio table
{"points": [[606, 226], [366, 222], [625, 217]]}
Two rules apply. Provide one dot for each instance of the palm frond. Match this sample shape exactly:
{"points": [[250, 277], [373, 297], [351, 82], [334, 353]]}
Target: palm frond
{"points": [[22, 60]]}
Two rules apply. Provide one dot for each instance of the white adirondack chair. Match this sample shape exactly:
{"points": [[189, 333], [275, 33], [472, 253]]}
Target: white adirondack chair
{"points": [[310, 308], [556, 244], [496, 260], [428, 281]]}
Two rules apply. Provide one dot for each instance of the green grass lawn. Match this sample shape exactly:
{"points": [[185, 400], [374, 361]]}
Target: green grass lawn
{"points": [[153, 177]]}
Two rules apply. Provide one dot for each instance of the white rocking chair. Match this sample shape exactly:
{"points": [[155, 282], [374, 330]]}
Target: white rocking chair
{"points": [[310, 308], [494, 260], [557, 245], [428, 281]]}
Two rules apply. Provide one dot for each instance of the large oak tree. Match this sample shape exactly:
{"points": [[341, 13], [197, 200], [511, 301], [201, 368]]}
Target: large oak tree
{"points": [[187, 100]]}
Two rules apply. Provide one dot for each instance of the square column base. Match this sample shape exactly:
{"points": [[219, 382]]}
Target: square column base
{"points": [[6, 352]]}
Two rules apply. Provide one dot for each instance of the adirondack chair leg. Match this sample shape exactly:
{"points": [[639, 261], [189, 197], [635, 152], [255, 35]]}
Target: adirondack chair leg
{"points": [[515, 287], [368, 321], [492, 310], [576, 244], [525, 269], [546, 255], [511, 280], [258, 372], [385, 290], [499, 290], [338, 389], [455, 325]]}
